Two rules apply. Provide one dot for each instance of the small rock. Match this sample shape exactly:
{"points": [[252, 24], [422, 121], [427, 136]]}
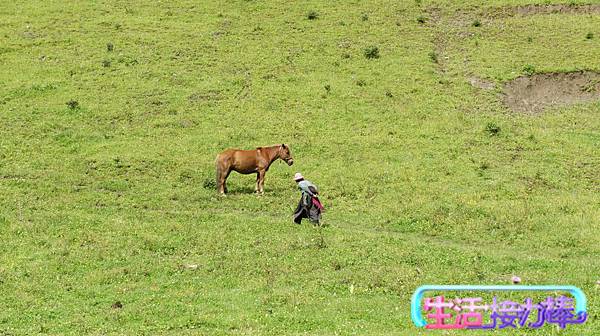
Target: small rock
{"points": [[117, 305], [515, 279], [191, 266]]}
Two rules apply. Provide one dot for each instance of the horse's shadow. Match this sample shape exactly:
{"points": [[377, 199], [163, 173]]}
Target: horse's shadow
{"points": [[248, 190], [240, 191]]}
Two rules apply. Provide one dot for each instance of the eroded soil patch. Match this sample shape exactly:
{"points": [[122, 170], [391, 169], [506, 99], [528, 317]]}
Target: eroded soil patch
{"points": [[532, 94], [466, 16], [481, 83], [549, 9]]}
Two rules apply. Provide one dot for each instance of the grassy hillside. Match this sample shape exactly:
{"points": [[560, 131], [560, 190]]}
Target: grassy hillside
{"points": [[112, 113]]}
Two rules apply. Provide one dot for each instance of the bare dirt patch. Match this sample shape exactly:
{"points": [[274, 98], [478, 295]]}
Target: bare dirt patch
{"points": [[552, 9], [466, 17], [532, 94], [481, 83]]}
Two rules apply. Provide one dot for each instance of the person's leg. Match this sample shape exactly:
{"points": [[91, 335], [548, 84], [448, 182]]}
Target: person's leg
{"points": [[299, 213], [314, 214]]}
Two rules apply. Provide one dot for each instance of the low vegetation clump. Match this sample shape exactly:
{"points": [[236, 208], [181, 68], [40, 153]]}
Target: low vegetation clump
{"points": [[371, 52], [73, 104], [528, 69], [492, 129]]}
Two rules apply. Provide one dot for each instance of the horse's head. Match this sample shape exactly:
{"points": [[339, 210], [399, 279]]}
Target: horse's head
{"points": [[285, 154]]}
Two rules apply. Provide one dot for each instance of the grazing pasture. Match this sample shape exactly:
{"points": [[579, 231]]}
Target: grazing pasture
{"points": [[112, 113]]}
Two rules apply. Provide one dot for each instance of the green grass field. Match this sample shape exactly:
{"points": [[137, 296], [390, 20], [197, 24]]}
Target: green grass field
{"points": [[112, 199]]}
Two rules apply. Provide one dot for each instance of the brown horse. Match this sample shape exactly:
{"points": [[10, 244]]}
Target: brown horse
{"points": [[250, 161]]}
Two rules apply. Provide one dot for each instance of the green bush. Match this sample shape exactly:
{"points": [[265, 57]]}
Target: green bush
{"points": [[371, 52], [492, 129], [529, 69], [73, 104], [433, 56], [312, 15]]}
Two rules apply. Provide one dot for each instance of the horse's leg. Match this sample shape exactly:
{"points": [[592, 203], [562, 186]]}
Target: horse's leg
{"points": [[219, 177], [225, 180], [261, 181], [257, 186], [223, 171]]}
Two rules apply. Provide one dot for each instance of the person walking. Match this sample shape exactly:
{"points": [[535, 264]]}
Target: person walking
{"points": [[309, 205]]}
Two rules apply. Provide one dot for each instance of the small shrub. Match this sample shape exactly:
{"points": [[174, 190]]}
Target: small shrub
{"points": [[482, 168], [418, 2], [106, 63], [422, 19], [388, 94], [529, 39], [73, 104], [589, 36], [110, 46], [476, 23], [209, 183], [345, 55], [433, 56], [492, 129], [312, 15], [364, 17], [327, 88], [372, 52], [361, 82], [529, 69]]}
